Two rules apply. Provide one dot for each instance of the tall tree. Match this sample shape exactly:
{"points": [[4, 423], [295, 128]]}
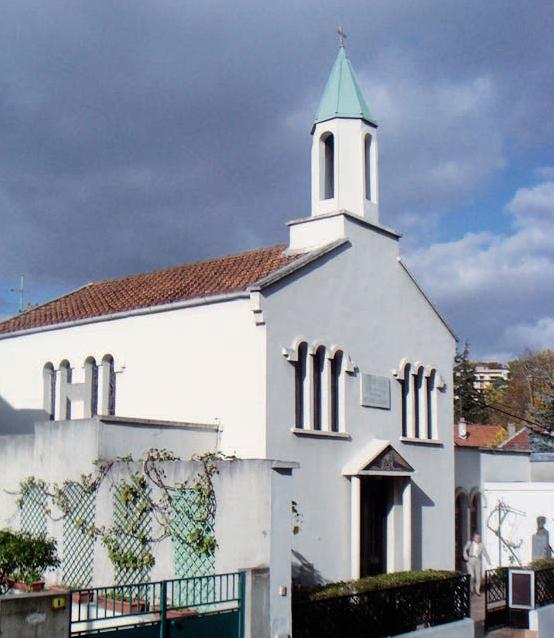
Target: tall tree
{"points": [[468, 400], [529, 384]]}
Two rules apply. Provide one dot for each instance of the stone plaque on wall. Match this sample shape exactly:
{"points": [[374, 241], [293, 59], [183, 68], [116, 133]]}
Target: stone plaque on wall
{"points": [[375, 391]]}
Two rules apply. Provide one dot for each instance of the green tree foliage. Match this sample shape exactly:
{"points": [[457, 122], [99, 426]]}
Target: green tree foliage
{"points": [[525, 395], [544, 411], [469, 402]]}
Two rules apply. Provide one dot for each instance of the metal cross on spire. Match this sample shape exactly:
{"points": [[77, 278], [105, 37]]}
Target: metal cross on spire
{"points": [[342, 36]]}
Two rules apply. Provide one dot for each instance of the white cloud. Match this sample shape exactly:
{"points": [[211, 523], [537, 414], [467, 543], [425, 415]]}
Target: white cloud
{"points": [[498, 290], [536, 335]]}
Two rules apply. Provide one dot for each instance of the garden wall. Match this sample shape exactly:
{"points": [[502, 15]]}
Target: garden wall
{"points": [[460, 629], [34, 615]]}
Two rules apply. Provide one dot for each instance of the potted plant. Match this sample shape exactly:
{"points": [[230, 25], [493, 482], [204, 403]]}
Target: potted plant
{"points": [[8, 560], [24, 558]]}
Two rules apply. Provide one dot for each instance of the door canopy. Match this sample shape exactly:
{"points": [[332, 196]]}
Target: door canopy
{"points": [[379, 458]]}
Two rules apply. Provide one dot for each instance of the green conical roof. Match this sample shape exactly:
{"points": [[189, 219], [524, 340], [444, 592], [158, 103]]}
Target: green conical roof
{"points": [[343, 96]]}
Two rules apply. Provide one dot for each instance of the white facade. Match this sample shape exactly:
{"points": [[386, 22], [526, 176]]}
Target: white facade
{"points": [[367, 418], [488, 373]]}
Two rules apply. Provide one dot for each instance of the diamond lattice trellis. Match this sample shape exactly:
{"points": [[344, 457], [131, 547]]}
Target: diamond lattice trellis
{"points": [[191, 511], [122, 515], [78, 544], [33, 513]]}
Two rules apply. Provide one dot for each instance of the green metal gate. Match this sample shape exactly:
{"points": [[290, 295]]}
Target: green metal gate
{"points": [[200, 607]]}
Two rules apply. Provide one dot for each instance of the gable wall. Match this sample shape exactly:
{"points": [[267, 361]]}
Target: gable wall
{"points": [[361, 299]]}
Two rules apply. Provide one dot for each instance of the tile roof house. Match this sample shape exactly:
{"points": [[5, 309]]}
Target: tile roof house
{"points": [[201, 279], [479, 435]]}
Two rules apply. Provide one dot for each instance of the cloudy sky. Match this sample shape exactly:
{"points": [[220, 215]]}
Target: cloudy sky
{"points": [[139, 134]]}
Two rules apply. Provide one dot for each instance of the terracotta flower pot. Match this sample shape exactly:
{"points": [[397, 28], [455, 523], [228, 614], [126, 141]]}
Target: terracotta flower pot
{"points": [[82, 597], [121, 606], [38, 585]]}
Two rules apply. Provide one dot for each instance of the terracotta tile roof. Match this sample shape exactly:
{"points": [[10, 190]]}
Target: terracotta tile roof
{"points": [[518, 441], [478, 435], [188, 281]]}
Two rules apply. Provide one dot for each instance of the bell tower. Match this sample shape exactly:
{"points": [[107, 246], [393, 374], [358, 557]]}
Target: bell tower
{"points": [[344, 147]]}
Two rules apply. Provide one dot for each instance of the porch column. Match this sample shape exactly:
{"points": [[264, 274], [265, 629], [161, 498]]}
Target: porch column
{"points": [[355, 526], [407, 524]]}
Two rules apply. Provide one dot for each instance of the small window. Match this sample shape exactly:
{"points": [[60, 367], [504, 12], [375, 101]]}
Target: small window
{"points": [[65, 379], [327, 166], [368, 167], [336, 391], [91, 382], [108, 385], [49, 390], [318, 362], [300, 384], [419, 418], [405, 400]]}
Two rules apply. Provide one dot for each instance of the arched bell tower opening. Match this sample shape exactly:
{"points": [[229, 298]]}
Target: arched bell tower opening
{"points": [[327, 166]]}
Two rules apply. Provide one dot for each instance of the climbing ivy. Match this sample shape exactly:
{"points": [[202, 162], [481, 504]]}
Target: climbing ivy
{"points": [[137, 499]]}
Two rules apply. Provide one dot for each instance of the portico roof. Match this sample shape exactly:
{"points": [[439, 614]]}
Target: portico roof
{"points": [[378, 458]]}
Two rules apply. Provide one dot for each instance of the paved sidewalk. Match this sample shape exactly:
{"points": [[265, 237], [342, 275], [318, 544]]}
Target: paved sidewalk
{"points": [[478, 615]]}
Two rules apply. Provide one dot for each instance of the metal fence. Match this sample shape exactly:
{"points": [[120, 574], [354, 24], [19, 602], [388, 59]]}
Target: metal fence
{"points": [[496, 598], [544, 586], [386, 612], [117, 606]]}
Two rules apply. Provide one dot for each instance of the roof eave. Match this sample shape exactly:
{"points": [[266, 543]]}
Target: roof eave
{"points": [[335, 116], [301, 262], [134, 312]]}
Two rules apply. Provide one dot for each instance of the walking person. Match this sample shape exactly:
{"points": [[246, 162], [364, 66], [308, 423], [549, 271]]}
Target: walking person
{"points": [[474, 551]]}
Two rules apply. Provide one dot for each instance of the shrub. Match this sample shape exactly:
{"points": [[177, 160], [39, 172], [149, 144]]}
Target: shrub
{"points": [[25, 557], [542, 563], [373, 583]]}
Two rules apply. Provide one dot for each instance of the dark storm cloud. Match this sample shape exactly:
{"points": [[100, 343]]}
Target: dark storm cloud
{"points": [[139, 134]]}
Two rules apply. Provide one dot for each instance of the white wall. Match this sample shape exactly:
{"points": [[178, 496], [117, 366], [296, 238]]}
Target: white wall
{"points": [[203, 364], [253, 517], [61, 450], [529, 500], [460, 629], [362, 300], [542, 621]]}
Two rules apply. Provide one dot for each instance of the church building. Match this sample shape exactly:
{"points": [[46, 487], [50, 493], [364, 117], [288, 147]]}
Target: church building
{"points": [[323, 352]]}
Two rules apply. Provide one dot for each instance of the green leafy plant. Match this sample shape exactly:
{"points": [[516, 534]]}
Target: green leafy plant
{"points": [[373, 583], [25, 558], [138, 500]]}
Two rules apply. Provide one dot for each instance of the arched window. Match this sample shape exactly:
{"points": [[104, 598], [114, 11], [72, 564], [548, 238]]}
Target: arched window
{"points": [[65, 379], [91, 384], [300, 384], [475, 513], [327, 166], [420, 426], [405, 403], [318, 362], [49, 390], [368, 150], [336, 390], [430, 391], [108, 385]]}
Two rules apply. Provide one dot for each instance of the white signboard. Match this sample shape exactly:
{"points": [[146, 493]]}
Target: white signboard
{"points": [[375, 391]]}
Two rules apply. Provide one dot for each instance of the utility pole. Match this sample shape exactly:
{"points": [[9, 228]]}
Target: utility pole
{"points": [[20, 290]]}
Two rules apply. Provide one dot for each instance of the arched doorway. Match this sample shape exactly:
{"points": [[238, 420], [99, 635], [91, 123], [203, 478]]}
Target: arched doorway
{"points": [[475, 513], [461, 526]]}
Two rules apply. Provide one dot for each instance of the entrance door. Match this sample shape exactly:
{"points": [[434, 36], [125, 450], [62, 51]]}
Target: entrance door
{"points": [[374, 508]]}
